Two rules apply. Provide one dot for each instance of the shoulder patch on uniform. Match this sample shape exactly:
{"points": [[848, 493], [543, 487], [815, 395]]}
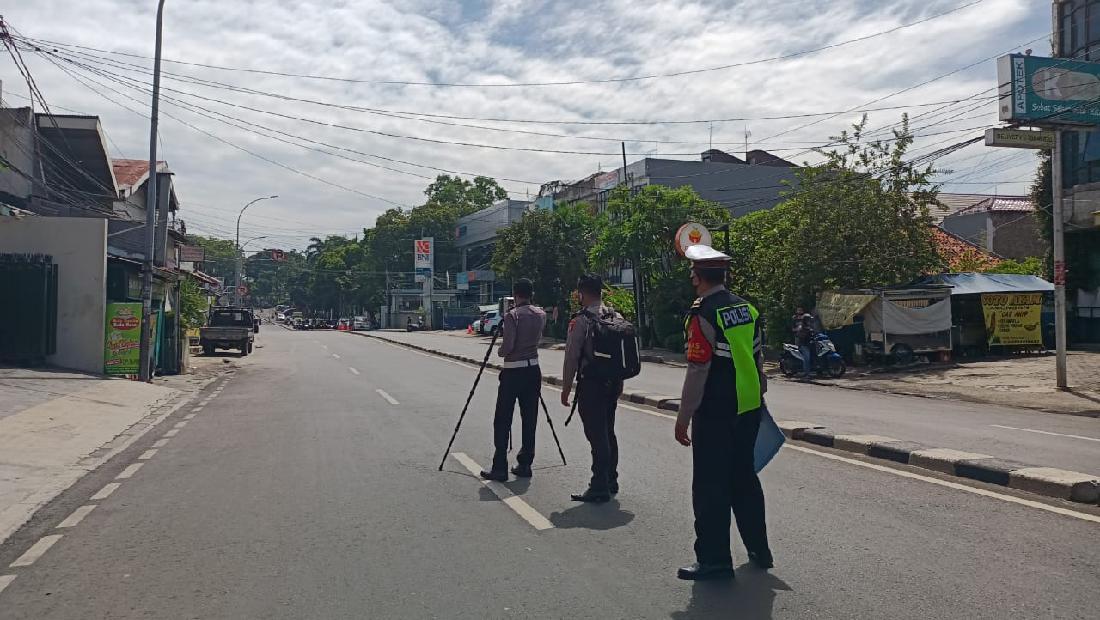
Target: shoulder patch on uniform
{"points": [[572, 322], [732, 316], [696, 347]]}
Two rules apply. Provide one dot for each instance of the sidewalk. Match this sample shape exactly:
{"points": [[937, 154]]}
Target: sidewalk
{"points": [[56, 425]]}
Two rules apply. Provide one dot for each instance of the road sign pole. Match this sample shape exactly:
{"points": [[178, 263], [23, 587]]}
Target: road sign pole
{"points": [[1059, 261]]}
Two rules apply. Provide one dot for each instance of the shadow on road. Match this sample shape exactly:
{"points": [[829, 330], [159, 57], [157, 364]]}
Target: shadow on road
{"points": [[593, 516], [751, 595]]}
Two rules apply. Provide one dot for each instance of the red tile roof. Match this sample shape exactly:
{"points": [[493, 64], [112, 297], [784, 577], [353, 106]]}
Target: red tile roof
{"points": [[131, 171], [960, 254]]}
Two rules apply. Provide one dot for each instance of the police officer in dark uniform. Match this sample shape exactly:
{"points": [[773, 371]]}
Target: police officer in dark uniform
{"points": [[721, 404], [520, 380]]}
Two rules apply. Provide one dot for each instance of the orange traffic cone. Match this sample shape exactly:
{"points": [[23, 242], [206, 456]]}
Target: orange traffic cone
{"points": [[470, 328]]}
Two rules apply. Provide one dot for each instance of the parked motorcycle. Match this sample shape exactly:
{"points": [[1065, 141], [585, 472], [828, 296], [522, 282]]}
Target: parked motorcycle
{"points": [[827, 361]]}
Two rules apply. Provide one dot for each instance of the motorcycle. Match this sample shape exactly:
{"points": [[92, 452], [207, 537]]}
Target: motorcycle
{"points": [[415, 327], [827, 361]]}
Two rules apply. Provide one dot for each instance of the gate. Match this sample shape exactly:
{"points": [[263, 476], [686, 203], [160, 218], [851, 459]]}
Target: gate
{"points": [[28, 308]]}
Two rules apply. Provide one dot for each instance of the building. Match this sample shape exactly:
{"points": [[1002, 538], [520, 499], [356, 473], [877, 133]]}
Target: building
{"points": [[1003, 225], [475, 237]]}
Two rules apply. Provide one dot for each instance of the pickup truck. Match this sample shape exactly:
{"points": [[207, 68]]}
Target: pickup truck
{"points": [[228, 328]]}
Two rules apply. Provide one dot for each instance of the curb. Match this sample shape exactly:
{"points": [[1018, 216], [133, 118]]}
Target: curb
{"points": [[1058, 483], [1048, 481]]}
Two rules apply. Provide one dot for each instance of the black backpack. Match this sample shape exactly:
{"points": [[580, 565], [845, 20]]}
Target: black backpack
{"points": [[615, 347]]}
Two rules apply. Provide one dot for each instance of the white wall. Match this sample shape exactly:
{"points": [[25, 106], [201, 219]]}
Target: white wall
{"points": [[79, 248]]}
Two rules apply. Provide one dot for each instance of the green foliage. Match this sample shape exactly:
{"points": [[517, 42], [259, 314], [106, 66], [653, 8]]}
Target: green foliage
{"points": [[859, 219], [221, 256], [621, 300], [464, 197], [193, 304], [550, 248], [1031, 266]]}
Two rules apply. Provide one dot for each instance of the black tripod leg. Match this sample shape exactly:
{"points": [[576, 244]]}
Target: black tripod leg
{"points": [[468, 399], [552, 431]]}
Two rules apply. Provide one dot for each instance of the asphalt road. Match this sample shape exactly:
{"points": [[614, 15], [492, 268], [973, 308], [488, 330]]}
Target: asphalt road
{"points": [[1025, 435], [301, 491]]}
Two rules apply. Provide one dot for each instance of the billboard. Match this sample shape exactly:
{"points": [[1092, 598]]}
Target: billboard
{"points": [[1013, 319], [122, 339], [423, 258], [1048, 91], [1020, 139], [192, 254]]}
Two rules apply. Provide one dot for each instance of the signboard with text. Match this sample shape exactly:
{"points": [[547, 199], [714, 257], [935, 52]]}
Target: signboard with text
{"points": [[122, 339], [1048, 91], [423, 255], [1020, 139], [192, 254], [1013, 319]]}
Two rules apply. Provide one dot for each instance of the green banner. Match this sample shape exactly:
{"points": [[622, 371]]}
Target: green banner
{"points": [[1048, 91], [122, 339]]}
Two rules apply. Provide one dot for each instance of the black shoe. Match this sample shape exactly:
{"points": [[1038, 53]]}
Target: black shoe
{"points": [[613, 488], [522, 471], [499, 476], [701, 572], [594, 497], [762, 559]]}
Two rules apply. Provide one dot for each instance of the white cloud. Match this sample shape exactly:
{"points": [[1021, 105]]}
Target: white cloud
{"points": [[505, 41]]}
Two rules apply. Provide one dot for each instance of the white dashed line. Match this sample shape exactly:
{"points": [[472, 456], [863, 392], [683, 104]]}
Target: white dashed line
{"points": [[520, 507], [160, 443], [77, 516], [37, 550], [390, 399], [197, 409], [129, 471], [335, 356], [180, 424], [189, 416], [353, 371], [171, 432], [148, 454], [5, 581], [1032, 430], [106, 491]]}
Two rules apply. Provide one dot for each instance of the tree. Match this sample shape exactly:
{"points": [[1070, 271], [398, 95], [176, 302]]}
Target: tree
{"points": [[551, 248], [193, 304], [465, 197], [859, 219], [1031, 266], [221, 256]]}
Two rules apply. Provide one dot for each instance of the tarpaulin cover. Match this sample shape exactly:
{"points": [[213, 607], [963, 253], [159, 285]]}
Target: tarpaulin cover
{"points": [[907, 321], [836, 310], [977, 283]]}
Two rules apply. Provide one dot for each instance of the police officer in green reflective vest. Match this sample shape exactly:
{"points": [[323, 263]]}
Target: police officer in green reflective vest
{"points": [[721, 407]]}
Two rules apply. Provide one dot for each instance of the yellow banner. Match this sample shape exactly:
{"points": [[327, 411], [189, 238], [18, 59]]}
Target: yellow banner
{"points": [[1013, 319]]}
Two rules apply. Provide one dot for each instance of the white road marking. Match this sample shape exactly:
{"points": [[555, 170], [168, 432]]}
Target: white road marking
{"points": [[324, 346], [1032, 430], [148, 454], [130, 470], [37, 550], [197, 409], [353, 371], [77, 516], [335, 356], [390, 399], [5, 581], [189, 416], [171, 432], [520, 507], [952, 485], [106, 491], [180, 424], [160, 443]]}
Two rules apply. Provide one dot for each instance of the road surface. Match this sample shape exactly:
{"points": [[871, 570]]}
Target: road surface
{"points": [[307, 488]]}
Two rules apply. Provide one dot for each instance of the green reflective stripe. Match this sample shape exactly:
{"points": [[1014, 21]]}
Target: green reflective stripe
{"points": [[738, 325]]}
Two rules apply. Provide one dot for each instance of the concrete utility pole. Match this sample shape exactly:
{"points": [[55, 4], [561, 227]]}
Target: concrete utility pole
{"points": [[237, 243], [1058, 234], [146, 367]]}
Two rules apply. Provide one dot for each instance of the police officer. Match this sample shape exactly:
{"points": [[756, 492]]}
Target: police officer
{"points": [[596, 398], [721, 404], [520, 380]]}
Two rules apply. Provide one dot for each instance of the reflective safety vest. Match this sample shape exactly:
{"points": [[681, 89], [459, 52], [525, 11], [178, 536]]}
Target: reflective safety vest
{"points": [[733, 369]]}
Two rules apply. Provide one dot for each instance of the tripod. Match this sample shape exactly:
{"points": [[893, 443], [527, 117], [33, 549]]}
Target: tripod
{"points": [[470, 397]]}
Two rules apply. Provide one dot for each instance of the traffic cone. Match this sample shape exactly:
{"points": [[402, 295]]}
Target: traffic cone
{"points": [[470, 329]]}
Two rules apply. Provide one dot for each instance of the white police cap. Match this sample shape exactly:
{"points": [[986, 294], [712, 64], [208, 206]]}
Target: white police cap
{"points": [[706, 256]]}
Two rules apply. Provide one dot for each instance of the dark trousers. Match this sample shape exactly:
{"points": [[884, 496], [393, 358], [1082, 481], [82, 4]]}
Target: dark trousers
{"points": [[596, 402], [523, 385], [725, 480]]}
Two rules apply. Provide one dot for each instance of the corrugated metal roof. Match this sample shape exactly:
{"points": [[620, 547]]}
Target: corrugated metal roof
{"points": [[976, 283], [954, 204], [1005, 204]]}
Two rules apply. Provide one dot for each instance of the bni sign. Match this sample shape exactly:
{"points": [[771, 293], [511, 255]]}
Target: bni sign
{"points": [[423, 258]]}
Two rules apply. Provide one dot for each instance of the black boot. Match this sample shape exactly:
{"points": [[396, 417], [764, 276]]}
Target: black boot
{"points": [[592, 496], [701, 572], [522, 471], [492, 474], [762, 559]]}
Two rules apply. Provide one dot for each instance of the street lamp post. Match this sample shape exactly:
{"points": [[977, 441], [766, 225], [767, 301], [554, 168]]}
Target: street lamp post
{"points": [[237, 288]]}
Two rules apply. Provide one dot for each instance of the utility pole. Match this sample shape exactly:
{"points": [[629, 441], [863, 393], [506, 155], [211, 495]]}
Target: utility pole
{"points": [[240, 255], [146, 368], [1059, 262], [636, 262]]}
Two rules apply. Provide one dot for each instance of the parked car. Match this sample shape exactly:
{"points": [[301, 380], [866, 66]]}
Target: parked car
{"points": [[491, 323], [360, 323], [228, 328]]}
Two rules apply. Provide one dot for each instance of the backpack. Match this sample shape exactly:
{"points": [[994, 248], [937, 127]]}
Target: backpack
{"points": [[614, 341]]}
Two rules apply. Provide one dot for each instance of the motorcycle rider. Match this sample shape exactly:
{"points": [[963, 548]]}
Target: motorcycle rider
{"points": [[803, 329]]}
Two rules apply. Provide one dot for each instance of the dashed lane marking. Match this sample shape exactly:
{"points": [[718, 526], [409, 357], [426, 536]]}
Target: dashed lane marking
{"points": [[189, 416], [77, 516], [130, 470], [36, 551], [172, 432], [353, 371], [335, 356], [160, 443], [951, 485], [148, 454], [197, 409], [520, 507], [180, 424], [106, 491], [1033, 430], [390, 399], [5, 581]]}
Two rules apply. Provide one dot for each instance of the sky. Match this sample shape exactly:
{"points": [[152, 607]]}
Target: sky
{"points": [[490, 52]]}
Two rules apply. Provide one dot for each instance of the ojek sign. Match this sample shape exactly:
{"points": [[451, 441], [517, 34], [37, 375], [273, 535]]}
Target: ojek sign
{"points": [[691, 234]]}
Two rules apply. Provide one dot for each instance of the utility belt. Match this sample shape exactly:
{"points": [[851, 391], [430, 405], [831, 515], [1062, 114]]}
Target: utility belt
{"points": [[521, 363]]}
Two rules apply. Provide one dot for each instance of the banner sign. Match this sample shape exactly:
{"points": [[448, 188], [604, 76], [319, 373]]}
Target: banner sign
{"points": [[1020, 139], [192, 254], [423, 258], [691, 234], [1013, 319], [122, 339], [1048, 91], [462, 281]]}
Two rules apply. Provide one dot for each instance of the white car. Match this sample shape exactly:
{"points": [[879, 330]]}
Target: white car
{"points": [[490, 323]]}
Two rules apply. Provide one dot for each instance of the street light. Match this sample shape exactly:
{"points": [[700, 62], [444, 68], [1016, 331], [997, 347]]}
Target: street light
{"points": [[237, 289]]}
